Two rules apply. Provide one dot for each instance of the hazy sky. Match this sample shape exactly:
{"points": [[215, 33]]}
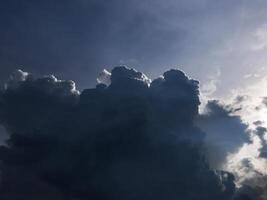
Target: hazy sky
{"points": [[220, 43]]}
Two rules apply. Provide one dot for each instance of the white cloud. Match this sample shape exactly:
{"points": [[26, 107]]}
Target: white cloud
{"points": [[249, 113], [209, 87], [104, 77]]}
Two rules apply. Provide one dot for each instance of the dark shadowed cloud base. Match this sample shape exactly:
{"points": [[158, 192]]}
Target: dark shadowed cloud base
{"points": [[134, 139]]}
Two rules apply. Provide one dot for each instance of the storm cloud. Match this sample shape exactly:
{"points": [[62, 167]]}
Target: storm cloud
{"points": [[132, 139]]}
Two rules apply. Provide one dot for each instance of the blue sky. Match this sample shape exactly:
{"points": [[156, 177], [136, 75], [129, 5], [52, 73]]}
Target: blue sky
{"points": [[76, 39]]}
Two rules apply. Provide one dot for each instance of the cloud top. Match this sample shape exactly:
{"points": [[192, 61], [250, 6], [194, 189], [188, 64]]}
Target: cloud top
{"points": [[132, 138]]}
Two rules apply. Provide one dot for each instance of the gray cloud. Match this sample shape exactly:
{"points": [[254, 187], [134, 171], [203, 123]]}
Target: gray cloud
{"points": [[130, 140], [225, 132], [261, 132], [264, 101]]}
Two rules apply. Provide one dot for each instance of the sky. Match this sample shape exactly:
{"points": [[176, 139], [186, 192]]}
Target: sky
{"points": [[208, 39], [217, 89]]}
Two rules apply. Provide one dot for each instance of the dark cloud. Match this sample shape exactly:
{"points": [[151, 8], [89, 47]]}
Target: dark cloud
{"points": [[264, 101], [258, 123], [258, 108], [225, 132], [253, 185], [239, 99], [253, 189], [3, 135], [247, 192], [261, 132], [262, 105], [134, 139]]}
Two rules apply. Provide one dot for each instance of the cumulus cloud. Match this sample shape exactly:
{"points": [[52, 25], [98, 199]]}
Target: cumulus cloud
{"points": [[261, 132], [104, 77], [16, 78], [48, 84], [248, 164], [132, 139], [225, 132]]}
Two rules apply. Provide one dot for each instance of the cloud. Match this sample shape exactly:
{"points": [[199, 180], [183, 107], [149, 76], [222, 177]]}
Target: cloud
{"points": [[240, 99], [132, 139], [261, 131], [47, 84], [248, 164], [16, 78], [34, 104], [3, 135], [249, 193], [209, 88], [264, 101], [225, 132], [258, 122], [260, 38], [104, 77]]}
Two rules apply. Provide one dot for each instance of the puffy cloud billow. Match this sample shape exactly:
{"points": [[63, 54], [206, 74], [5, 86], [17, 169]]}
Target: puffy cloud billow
{"points": [[129, 138], [225, 132]]}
